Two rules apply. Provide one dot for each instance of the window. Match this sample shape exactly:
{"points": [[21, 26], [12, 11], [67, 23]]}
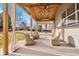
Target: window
{"points": [[66, 22], [77, 6], [71, 9], [63, 22], [71, 14], [78, 17], [64, 15], [71, 19], [78, 12]]}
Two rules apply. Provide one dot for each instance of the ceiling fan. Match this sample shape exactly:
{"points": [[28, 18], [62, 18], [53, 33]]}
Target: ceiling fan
{"points": [[46, 8]]}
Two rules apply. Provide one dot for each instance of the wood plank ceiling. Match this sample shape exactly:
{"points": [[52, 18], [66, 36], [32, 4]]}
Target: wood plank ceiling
{"points": [[40, 11]]}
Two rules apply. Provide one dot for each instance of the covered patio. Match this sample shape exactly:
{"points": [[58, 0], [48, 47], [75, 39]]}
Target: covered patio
{"points": [[43, 48], [42, 13]]}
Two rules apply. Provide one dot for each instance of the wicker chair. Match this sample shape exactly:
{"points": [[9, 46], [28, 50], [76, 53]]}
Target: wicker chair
{"points": [[35, 35], [29, 40], [56, 40]]}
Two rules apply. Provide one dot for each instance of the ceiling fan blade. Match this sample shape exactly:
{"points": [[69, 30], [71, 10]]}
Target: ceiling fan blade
{"points": [[49, 7], [41, 7]]}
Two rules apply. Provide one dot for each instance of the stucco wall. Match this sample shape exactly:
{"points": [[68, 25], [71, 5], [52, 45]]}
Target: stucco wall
{"points": [[71, 33]]}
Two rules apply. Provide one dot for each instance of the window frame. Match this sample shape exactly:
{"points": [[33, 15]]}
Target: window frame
{"points": [[76, 19]]}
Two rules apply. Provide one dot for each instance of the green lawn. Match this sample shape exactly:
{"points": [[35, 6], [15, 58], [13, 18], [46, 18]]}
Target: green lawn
{"points": [[0, 39], [19, 36]]}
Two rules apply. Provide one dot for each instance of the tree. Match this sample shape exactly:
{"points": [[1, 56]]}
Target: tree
{"points": [[9, 22], [20, 20], [23, 25]]}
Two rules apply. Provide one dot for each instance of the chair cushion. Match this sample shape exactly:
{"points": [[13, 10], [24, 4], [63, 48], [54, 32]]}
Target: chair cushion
{"points": [[28, 39], [35, 35], [56, 40]]}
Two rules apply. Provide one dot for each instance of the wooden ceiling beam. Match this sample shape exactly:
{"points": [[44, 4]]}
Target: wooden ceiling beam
{"points": [[41, 4], [21, 6], [39, 15], [43, 20], [46, 20]]}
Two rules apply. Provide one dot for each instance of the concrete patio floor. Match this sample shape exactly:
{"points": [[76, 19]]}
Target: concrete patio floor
{"points": [[42, 47]]}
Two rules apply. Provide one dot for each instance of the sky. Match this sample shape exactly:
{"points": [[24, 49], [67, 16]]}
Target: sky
{"points": [[1, 8], [26, 17]]}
